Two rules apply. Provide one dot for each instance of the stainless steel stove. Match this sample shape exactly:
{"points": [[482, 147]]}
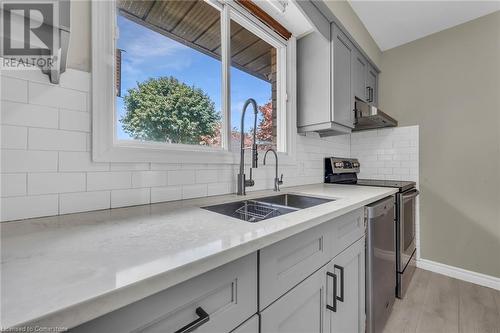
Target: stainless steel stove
{"points": [[345, 171]]}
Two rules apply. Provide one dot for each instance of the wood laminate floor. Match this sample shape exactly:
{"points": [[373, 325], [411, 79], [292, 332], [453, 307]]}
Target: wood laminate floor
{"points": [[437, 303]]}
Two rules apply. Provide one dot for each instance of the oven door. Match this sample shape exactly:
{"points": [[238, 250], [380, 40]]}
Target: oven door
{"points": [[406, 223]]}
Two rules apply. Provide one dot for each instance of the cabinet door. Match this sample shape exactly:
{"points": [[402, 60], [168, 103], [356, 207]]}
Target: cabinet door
{"points": [[343, 101], [300, 310], [349, 270], [249, 326], [313, 80], [372, 85], [359, 69]]}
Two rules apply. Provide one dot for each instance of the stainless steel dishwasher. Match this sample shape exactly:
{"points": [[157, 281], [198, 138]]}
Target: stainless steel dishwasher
{"points": [[380, 263]]}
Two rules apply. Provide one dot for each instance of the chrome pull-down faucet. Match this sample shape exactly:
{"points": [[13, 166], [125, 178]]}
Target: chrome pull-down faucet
{"points": [[243, 183], [277, 181]]}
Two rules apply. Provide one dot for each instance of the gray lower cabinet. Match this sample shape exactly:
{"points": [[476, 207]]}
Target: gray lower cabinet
{"points": [[331, 300], [300, 310], [249, 326], [217, 301], [284, 264], [348, 271], [311, 282]]}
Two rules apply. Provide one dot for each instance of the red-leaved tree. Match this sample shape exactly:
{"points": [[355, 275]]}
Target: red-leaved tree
{"points": [[264, 131], [265, 128]]}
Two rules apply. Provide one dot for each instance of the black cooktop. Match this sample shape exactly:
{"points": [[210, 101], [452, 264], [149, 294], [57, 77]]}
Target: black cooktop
{"points": [[402, 185]]}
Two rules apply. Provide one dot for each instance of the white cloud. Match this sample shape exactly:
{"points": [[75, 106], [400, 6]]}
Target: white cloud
{"points": [[141, 45]]}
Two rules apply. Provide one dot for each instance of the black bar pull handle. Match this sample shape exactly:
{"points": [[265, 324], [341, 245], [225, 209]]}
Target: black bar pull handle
{"points": [[333, 307], [203, 317], [341, 269]]}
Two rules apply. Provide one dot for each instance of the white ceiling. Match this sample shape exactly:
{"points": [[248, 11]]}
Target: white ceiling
{"points": [[393, 23]]}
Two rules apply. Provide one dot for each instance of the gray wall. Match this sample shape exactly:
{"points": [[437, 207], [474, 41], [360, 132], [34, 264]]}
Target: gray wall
{"points": [[449, 84]]}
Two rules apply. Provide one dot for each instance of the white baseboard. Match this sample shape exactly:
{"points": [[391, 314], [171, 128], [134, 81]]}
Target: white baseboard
{"points": [[460, 273]]}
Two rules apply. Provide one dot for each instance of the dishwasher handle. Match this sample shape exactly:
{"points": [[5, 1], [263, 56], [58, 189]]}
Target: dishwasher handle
{"points": [[410, 194]]}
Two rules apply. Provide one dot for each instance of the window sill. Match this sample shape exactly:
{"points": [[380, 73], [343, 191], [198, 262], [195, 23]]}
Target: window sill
{"points": [[130, 152]]}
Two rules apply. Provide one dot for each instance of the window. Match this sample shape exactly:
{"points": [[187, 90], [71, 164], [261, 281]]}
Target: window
{"points": [[253, 73], [181, 72], [169, 89]]}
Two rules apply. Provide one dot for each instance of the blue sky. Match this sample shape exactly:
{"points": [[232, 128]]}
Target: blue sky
{"points": [[149, 54]]}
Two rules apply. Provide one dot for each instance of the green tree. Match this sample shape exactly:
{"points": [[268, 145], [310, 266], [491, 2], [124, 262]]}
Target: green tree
{"points": [[164, 109]]}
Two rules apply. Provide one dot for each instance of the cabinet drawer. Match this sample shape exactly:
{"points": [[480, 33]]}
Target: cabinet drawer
{"points": [[346, 229], [228, 295], [284, 264]]}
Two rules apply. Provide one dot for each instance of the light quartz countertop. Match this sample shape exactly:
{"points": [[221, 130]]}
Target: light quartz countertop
{"points": [[65, 270]]}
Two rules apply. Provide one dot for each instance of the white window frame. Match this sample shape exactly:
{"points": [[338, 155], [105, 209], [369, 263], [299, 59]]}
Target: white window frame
{"points": [[107, 148]]}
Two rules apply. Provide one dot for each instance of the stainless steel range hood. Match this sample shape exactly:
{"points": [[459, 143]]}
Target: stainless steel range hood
{"points": [[369, 117]]}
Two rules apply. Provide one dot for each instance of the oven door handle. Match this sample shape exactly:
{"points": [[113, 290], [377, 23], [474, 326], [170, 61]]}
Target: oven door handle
{"points": [[411, 194]]}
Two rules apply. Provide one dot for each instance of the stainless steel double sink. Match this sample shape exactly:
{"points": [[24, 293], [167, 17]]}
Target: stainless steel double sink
{"points": [[258, 209]]}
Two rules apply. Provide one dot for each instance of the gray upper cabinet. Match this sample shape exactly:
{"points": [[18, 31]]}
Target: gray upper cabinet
{"points": [[359, 70], [372, 85], [313, 83], [331, 73], [324, 84], [343, 101]]}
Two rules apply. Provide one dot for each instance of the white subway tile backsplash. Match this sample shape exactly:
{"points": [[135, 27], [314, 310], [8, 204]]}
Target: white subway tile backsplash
{"points": [[79, 161], [21, 114], [13, 184], [402, 157], [181, 177], [74, 120], [14, 90], [149, 178], [56, 182], [165, 166], [194, 191], [130, 197], [84, 201], [206, 176], [108, 180], [169, 193], [55, 96], [401, 171], [219, 188], [129, 166], [14, 161], [226, 175], [396, 153], [50, 139], [16, 208], [14, 137]]}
